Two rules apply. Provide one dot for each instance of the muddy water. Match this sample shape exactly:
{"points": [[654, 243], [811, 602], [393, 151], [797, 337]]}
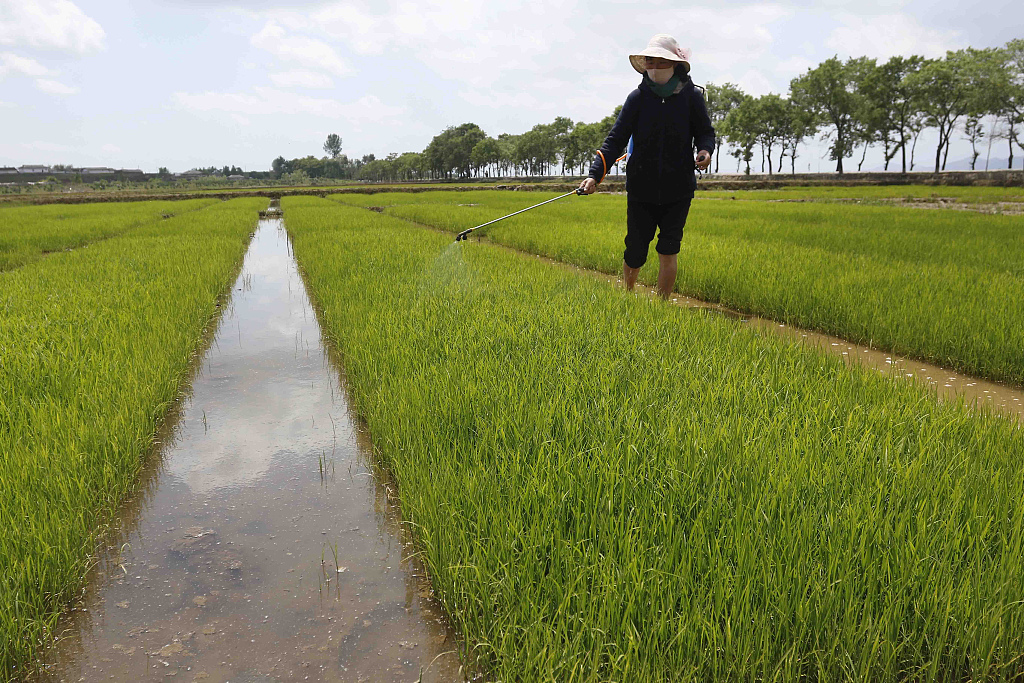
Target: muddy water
{"points": [[262, 546]]}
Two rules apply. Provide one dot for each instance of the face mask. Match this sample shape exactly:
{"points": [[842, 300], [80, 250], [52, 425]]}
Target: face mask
{"points": [[661, 76]]}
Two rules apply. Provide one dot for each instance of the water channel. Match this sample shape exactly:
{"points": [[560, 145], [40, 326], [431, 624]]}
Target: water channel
{"points": [[263, 545]]}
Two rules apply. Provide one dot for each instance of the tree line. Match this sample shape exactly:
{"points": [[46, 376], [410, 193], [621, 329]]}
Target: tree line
{"points": [[854, 105]]}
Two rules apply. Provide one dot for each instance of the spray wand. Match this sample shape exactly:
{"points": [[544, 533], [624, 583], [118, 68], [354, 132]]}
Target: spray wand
{"points": [[464, 235]]}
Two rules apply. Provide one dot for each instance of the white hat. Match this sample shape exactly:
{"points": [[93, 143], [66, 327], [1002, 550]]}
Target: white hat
{"points": [[664, 46]]}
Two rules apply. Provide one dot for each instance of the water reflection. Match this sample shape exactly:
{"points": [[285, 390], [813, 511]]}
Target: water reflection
{"points": [[261, 545]]}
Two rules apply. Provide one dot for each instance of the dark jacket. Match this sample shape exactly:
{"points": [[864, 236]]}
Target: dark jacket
{"points": [[665, 131]]}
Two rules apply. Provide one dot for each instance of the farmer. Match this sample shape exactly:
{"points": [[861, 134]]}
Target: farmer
{"points": [[667, 119]]}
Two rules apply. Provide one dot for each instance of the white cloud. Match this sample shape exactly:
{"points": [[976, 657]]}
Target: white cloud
{"points": [[49, 24], [110, 149], [42, 146], [11, 63], [367, 110], [308, 52], [885, 35], [301, 79], [54, 87]]}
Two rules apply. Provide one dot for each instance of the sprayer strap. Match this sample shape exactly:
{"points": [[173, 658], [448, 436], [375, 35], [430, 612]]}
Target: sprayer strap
{"points": [[605, 163]]}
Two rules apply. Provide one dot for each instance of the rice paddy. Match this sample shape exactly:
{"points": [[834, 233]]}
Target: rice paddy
{"points": [[607, 488], [95, 343], [602, 487], [29, 232], [945, 287]]}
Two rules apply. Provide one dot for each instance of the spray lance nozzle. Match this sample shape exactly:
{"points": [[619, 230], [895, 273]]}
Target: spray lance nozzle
{"points": [[464, 235]]}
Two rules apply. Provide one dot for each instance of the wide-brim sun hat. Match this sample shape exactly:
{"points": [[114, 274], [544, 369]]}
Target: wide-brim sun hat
{"points": [[664, 46]]}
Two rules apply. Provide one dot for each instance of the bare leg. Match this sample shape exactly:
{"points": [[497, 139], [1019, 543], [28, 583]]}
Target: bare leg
{"points": [[629, 276], [666, 274]]}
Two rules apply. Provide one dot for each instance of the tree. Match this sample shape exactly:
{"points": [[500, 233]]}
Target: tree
{"points": [[486, 153], [740, 129], [974, 131], [333, 145], [796, 125], [828, 91], [868, 115], [954, 87], [451, 151], [895, 100], [280, 166], [1011, 110], [721, 99], [163, 171]]}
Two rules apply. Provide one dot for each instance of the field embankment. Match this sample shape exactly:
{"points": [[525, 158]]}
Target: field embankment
{"points": [[95, 343], [609, 488], [946, 287], [996, 185]]}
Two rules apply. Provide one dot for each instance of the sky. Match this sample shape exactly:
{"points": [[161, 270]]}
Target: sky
{"points": [[192, 83]]}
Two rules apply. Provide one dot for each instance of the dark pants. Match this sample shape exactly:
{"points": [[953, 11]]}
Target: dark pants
{"points": [[642, 218]]}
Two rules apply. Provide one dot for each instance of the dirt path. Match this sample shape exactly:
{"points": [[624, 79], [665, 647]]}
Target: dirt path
{"points": [[263, 545]]}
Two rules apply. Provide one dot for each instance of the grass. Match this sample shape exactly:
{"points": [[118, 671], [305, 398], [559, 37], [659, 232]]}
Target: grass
{"points": [[946, 287], [30, 232], [95, 343], [609, 488]]}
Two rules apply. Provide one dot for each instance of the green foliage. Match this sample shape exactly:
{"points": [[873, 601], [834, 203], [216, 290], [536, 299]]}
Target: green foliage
{"points": [[606, 487], [829, 93], [965, 82], [332, 146], [29, 232], [721, 100], [893, 98], [95, 345], [942, 286], [451, 151]]}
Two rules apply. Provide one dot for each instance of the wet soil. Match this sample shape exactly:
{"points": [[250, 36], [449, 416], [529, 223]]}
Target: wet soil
{"points": [[263, 545]]}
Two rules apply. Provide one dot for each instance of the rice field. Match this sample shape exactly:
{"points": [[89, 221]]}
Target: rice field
{"points": [[958, 193], [29, 232], [609, 488], [604, 487], [95, 344], [945, 287]]}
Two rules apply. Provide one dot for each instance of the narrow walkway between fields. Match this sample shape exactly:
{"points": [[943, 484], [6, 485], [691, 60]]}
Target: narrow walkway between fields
{"points": [[263, 544]]}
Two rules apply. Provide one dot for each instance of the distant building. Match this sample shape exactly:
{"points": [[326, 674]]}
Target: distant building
{"points": [[8, 169], [97, 170], [33, 169], [191, 174], [236, 177], [131, 170]]}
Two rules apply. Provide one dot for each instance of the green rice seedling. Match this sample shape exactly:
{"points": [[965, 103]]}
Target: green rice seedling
{"points": [[29, 232], [606, 487], [964, 194], [94, 346], [947, 287]]}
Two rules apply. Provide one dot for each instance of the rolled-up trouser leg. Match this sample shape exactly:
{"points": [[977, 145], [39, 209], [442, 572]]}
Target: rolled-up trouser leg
{"points": [[643, 218]]}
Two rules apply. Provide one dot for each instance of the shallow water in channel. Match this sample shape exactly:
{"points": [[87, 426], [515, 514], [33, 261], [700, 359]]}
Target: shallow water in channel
{"points": [[262, 545]]}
